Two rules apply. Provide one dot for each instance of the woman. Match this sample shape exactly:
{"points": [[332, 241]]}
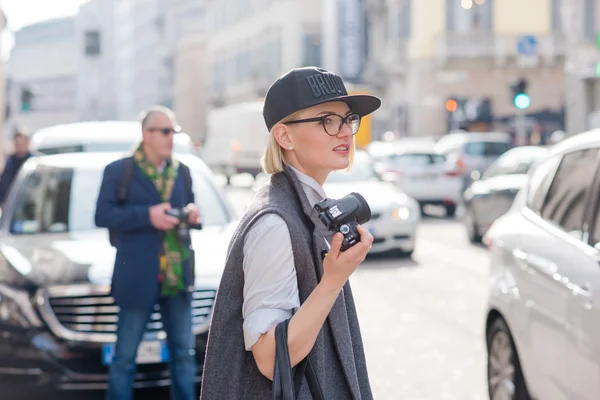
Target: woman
{"points": [[275, 270]]}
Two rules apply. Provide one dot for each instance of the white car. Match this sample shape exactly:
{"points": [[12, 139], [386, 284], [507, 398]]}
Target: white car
{"points": [[394, 215], [424, 175], [98, 136], [543, 320]]}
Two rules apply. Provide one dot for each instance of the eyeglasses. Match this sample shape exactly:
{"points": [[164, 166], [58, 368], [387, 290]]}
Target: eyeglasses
{"points": [[333, 123], [165, 131]]}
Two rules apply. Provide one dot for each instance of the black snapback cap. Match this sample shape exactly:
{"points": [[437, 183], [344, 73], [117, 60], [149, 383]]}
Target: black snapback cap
{"points": [[305, 87]]}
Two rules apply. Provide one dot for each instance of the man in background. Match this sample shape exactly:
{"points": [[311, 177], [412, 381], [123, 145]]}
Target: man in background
{"points": [[14, 162], [154, 264]]}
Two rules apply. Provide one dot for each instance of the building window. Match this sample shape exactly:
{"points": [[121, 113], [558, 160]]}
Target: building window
{"points": [[467, 16], [311, 44], [589, 21], [556, 17], [92, 43], [404, 19]]}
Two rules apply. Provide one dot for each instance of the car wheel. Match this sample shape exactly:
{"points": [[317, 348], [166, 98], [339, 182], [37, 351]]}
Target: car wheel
{"points": [[471, 224], [450, 210], [505, 378]]}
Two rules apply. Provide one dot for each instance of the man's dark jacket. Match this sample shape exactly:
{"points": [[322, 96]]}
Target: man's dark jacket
{"points": [[11, 168], [230, 372], [135, 278]]}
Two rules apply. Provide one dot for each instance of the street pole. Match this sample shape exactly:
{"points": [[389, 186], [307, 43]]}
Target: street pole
{"points": [[521, 128]]}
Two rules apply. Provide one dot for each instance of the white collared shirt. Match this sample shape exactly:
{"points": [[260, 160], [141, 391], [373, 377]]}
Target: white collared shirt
{"points": [[270, 285]]}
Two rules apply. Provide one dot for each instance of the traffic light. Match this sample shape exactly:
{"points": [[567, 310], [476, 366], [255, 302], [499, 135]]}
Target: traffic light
{"points": [[451, 105], [26, 99], [520, 97]]}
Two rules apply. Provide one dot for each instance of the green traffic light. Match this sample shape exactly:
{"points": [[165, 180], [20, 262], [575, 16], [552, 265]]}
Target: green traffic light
{"points": [[522, 101]]}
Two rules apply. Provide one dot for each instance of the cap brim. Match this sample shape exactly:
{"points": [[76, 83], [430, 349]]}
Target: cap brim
{"points": [[361, 104]]}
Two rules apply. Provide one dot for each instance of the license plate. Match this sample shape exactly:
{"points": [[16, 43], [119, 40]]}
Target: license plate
{"points": [[425, 177], [149, 352]]}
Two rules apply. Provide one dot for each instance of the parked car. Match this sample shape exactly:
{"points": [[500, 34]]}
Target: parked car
{"points": [[394, 215], [473, 151], [98, 136], [56, 312], [490, 196], [543, 319], [424, 175]]}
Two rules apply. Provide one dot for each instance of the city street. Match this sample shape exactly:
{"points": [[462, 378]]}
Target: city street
{"points": [[422, 318]]}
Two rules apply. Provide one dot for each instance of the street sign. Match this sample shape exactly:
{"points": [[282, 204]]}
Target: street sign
{"points": [[527, 45]]}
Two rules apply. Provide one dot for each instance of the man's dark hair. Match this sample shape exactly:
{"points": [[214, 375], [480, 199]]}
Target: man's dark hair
{"points": [[20, 134]]}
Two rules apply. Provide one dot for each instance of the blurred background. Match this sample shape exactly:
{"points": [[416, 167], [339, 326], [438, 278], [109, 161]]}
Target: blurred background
{"points": [[437, 64], [480, 283]]}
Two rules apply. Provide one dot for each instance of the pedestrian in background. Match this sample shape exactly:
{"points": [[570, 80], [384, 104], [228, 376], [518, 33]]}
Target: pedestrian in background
{"points": [[14, 162], [274, 270], [152, 264]]}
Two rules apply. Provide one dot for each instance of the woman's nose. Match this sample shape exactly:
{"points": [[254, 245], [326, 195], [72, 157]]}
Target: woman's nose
{"points": [[346, 130]]}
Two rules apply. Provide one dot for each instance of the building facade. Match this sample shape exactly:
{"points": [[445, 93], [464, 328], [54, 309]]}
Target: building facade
{"points": [[96, 72], [423, 54], [581, 21], [251, 43], [4, 148], [42, 75]]}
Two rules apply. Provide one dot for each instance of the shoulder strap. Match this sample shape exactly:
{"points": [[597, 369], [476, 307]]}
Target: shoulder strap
{"points": [[127, 174], [187, 176]]}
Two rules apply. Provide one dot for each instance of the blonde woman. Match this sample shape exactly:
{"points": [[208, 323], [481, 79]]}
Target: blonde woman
{"points": [[275, 270]]}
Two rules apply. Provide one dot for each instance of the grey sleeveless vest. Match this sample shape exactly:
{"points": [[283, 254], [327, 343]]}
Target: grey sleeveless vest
{"points": [[230, 372]]}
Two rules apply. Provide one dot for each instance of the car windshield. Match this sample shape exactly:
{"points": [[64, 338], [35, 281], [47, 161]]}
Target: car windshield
{"points": [[362, 170], [514, 162], [64, 200]]}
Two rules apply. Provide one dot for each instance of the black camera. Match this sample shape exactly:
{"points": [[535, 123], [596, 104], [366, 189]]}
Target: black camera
{"points": [[344, 215], [184, 226]]}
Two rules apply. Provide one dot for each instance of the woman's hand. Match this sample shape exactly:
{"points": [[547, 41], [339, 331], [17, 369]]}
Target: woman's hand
{"points": [[338, 265]]}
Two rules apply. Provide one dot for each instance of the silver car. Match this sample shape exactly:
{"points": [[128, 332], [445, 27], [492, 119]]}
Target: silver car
{"points": [[543, 321]]}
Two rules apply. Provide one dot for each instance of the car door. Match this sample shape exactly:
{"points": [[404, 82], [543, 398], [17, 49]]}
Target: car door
{"points": [[583, 313], [552, 241]]}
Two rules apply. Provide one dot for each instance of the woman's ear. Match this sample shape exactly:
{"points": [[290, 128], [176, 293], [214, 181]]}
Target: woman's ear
{"points": [[282, 135]]}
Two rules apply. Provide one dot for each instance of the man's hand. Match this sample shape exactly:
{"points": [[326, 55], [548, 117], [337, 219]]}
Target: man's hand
{"points": [[194, 213], [160, 220]]}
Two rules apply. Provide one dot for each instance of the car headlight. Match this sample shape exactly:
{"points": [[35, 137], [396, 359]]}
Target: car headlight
{"points": [[401, 213], [16, 309]]}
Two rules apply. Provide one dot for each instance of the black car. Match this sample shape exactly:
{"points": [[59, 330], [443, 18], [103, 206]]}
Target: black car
{"points": [[490, 197], [57, 318]]}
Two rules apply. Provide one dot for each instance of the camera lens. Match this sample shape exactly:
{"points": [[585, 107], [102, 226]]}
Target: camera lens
{"points": [[363, 212]]}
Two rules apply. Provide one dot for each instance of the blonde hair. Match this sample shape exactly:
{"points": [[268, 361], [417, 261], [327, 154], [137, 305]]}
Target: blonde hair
{"points": [[273, 158]]}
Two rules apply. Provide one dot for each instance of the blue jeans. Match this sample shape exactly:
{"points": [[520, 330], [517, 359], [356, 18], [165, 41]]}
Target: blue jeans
{"points": [[176, 314]]}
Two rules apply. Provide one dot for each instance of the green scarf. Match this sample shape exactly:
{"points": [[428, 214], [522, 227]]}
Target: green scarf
{"points": [[173, 254]]}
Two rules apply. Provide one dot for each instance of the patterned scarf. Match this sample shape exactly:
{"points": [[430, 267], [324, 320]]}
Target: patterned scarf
{"points": [[173, 254]]}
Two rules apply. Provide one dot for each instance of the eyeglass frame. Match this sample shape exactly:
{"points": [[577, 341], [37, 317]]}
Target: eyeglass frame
{"points": [[321, 119]]}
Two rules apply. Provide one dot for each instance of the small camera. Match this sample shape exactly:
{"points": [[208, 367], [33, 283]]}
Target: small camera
{"points": [[344, 215], [184, 226], [181, 214]]}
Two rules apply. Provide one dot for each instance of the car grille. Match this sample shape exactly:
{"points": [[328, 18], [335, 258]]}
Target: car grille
{"points": [[89, 313]]}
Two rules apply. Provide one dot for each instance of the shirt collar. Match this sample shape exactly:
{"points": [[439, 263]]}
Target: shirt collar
{"points": [[306, 180]]}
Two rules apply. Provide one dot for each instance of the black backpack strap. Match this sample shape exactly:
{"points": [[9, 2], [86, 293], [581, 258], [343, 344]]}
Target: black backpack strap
{"points": [[127, 174], [187, 176]]}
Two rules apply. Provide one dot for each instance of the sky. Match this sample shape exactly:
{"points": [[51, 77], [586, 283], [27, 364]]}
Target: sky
{"points": [[21, 13]]}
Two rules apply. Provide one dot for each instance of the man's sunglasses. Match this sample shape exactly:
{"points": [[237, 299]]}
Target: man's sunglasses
{"points": [[333, 123], [165, 131]]}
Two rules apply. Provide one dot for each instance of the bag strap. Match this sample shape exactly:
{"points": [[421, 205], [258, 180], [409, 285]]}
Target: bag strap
{"points": [[127, 174], [187, 176], [283, 386]]}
